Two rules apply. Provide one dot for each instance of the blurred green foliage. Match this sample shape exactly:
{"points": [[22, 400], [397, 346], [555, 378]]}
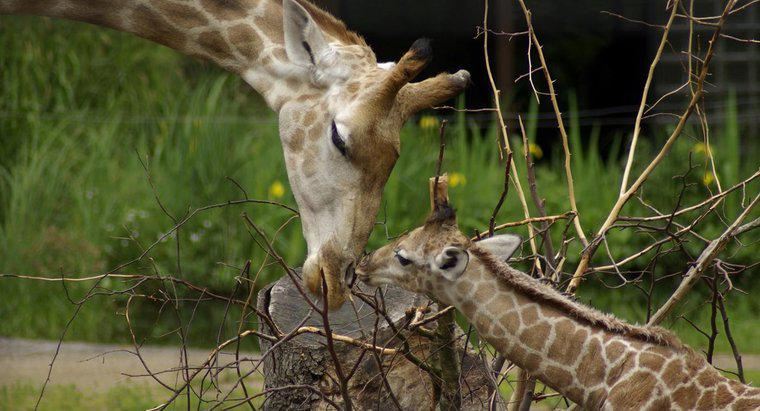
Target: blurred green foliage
{"points": [[90, 118]]}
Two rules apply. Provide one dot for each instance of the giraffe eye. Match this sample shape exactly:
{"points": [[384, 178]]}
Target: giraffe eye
{"points": [[403, 261], [338, 141]]}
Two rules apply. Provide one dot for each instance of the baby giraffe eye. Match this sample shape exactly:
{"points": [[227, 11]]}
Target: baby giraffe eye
{"points": [[403, 261]]}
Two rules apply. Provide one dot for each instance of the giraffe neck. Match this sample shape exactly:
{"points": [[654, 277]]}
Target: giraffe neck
{"points": [[591, 365], [242, 36]]}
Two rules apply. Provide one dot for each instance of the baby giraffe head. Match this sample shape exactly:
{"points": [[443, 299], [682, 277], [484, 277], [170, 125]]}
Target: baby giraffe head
{"points": [[431, 258]]}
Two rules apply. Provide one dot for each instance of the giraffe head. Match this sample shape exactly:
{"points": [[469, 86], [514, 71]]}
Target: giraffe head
{"points": [[430, 258], [341, 114]]}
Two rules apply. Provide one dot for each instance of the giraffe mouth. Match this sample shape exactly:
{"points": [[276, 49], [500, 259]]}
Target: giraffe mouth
{"points": [[372, 280]]}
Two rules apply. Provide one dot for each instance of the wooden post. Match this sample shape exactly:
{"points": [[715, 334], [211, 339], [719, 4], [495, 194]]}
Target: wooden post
{"points": [[304, 363]]}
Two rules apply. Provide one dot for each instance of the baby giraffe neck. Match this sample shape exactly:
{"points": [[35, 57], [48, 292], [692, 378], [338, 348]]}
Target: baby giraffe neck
{"points": [[557, 350], [593, 366]]}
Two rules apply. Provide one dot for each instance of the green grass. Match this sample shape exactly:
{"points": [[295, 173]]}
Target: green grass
{"points": [[125, 396], [130, 397], [81, 107], [67, 397]]}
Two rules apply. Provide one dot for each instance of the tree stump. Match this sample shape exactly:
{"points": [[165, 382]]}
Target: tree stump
{"points": [[305, 360]]}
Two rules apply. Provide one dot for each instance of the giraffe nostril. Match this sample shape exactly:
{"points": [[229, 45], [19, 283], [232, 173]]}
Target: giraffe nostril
{"points": [[350, 276]]}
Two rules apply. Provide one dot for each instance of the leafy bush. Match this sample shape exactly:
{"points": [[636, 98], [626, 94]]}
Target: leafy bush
{"points": [[95, 126]]}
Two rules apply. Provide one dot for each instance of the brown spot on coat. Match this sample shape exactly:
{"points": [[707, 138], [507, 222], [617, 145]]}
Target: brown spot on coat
{"points": [[215, 44], [518, 353], [529, 315], [536, 336], [596, 399], [308, 166], [558, 377], [483, 294], [614, 349], [314, 133], [592, 369], [153, 27], [652, 361], [510, 322], [246, 41], [181, 15], [464, 288], [568, 342], [708, 378], [747, 404], [309, 118], [633, 396], [226, 9], [660, 404], [575, 394], [686, 397], [621, 369], [738, 387], [295, 143], [280, 54], [674, 374], [707, 400], [532, 362], [723, 396], [468, 308], [482, 322], [307, 97], [353, 87]]}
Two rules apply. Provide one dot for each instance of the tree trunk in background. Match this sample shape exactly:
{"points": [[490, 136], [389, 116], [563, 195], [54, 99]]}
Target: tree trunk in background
{"points": [[304, 360]]}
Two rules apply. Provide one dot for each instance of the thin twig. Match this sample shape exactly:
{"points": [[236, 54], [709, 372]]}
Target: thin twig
{"points": [[707, 256]]}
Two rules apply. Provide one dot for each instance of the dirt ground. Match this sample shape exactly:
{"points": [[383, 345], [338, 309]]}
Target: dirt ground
{"points": [[93, 366], [100, 367]]}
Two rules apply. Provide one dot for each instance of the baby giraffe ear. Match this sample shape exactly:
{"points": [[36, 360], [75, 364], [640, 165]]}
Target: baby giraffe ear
{"points": [[501, 246], [451, 262], [304, 41]]}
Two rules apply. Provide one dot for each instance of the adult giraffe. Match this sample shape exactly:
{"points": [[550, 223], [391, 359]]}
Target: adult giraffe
{"points": [[340, 112]]}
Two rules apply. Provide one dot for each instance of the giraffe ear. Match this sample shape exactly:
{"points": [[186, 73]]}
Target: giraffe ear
{"points": [[451, 262], [304, 41], [501, 246]]}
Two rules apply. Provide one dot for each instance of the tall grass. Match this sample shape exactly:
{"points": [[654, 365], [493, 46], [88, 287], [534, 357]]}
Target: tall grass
{"points": [[84, 112]]}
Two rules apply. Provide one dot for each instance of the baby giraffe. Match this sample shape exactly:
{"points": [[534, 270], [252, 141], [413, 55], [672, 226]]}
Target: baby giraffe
{"points": [[594, 359]]}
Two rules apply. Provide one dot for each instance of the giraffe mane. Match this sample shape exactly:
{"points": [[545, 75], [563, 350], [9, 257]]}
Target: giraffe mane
{"points": [[533, 289], [332, 25]]}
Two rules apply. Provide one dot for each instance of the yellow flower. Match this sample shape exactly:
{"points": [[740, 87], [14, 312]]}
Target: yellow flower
{"points": [[429, 122], [708, 178], [702, 148], [457, 179], [276, 190], [535, 151]]}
